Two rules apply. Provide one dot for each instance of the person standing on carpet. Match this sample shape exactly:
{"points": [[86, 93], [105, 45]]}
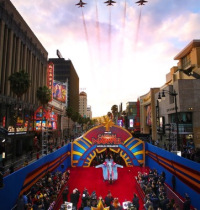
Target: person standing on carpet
{"points": [[135, 201], [108, 199], [74, 197], [116, 205]]}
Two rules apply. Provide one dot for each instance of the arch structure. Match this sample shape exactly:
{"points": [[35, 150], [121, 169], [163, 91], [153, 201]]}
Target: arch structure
{"points": [[99, 138]]}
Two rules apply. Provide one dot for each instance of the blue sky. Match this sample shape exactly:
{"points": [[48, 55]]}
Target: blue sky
{"points": [[117, 57]]}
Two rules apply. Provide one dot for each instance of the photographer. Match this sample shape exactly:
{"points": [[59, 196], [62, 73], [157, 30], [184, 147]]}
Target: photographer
{"points": [[74, 197]]}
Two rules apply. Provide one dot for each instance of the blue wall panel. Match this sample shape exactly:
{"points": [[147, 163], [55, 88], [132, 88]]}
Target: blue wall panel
{"points": [[187, 172], [13, 183]]}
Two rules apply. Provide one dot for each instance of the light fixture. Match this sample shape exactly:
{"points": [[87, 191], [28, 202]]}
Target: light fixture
{"points": [[163, 95], [3, 140], [159, 97], [20, 108]]}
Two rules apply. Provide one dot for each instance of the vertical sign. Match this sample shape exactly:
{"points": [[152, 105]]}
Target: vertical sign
{"points": [[50, 75]]}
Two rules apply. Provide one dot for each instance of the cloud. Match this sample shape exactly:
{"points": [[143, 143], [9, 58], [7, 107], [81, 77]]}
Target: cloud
{"points": [[117, 56]]}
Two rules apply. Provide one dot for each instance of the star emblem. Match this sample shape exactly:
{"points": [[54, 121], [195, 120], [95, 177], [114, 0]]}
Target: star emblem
{"points": [[100, 206], [108, 123]]}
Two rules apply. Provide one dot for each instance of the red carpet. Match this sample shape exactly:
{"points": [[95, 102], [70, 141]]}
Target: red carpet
{"points": [[92, 179]]}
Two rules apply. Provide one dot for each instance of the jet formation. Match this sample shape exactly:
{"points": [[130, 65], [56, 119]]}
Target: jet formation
{"points": [[110, 2], [141, 2], [81, 4]]}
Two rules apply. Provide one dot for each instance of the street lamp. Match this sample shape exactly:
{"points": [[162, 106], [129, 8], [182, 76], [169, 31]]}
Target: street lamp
{"points": [[174, 94]]}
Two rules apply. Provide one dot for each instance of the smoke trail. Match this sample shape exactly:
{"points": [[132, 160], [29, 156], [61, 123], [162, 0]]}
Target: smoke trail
{"points": [[123, 31], [85, 28], [124, 16], [87, 39], [138, 27], [98, 30], [109, 35]]}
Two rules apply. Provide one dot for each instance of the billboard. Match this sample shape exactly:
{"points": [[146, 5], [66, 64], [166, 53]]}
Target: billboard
{"points": [[148, 117], [60, 91]]}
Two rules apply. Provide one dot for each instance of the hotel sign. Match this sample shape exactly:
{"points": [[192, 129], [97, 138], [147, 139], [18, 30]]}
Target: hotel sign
{"points": [[50, 76]]}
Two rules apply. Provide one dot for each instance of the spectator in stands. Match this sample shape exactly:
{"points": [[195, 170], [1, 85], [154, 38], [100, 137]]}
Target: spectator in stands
{"points": [[20, 203], [25, 199], [164, 202], [170, 205], [155, 201], [148, 204], [65, 194], [135, 201], [187, 203]]}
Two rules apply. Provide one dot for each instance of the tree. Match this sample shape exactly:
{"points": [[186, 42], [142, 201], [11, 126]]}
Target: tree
{"points": [[75, 117], [19, 83], [114, 110], [69, 113], [109, 114], [44, 96]]}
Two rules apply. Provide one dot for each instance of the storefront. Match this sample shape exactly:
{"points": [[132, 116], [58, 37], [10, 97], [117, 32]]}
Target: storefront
{"points": [[45, 119]]}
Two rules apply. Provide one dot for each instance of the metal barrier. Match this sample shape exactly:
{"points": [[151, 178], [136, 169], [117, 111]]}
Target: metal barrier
{"points": [[172, 195]]}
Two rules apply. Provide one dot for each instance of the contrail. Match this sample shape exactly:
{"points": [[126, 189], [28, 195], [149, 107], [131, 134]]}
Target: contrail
{"points": [[98, 30], [85, 28], [123, 31], [109, 35], [138, 27]]}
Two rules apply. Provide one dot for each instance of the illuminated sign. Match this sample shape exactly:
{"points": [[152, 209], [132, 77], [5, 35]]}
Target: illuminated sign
{"points": [[131, 123], [120, 123], [60, 91], [106, 140], [50, 75]]}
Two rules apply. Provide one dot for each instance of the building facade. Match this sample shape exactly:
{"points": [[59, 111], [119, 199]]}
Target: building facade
{"points": [[181, 111], [19, 50], [89, 112], [147, 113], [83, 104], [131, 112], [65, 72]]}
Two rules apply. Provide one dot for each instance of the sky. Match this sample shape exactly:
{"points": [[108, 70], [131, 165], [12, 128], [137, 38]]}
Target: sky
{"points": [[119, 52]]}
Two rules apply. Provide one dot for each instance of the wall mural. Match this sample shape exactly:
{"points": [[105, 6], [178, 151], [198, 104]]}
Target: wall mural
{"points": [[107, 135]]}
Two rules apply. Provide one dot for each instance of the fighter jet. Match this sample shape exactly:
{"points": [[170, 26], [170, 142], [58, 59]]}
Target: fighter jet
{"points": [[141, 2], [81, 4], [110, 2]]}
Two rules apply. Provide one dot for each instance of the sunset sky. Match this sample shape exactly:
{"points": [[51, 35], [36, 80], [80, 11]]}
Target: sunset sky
{"points": [[119, 52]]}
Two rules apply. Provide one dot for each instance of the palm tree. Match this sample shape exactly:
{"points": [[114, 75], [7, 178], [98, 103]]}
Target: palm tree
{"points": [[114, 110], [75, 118], [44, 95], [109, 114], [19, 85], [69, 113]]}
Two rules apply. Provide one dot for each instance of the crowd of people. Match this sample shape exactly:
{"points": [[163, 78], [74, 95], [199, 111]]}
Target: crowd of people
{"points": [[156, 198], [44, 192], [92, 200]]}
